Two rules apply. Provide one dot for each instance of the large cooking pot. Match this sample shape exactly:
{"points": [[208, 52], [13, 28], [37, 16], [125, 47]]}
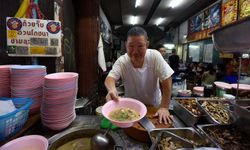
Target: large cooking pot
{"points": [[74, 133]]}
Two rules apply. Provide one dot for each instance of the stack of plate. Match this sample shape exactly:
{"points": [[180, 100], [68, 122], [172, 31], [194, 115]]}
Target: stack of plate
{"points": [[27, 82], [243, 87], [198, 90], [59, 96], [5, 80]]}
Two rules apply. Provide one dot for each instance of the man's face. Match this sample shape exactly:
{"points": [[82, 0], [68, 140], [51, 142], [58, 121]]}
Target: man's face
{"points": [[136, 48], [162, 50]]}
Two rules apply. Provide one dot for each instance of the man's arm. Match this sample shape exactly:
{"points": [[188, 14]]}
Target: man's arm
{"points": [[110, 85], [163, 112], [166, 92]]}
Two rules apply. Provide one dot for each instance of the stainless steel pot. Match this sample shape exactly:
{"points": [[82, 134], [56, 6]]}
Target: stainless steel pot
{"points": [[74, 133]]}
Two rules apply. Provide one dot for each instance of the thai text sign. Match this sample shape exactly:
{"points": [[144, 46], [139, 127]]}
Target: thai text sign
{"points": [[33, 37]]}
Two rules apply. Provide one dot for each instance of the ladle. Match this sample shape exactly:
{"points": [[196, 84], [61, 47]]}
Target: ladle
{"points": [[100, 141]]}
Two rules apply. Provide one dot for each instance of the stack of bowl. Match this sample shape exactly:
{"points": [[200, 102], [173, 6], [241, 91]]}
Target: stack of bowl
{"points": [[27, 82], [5, 81], [59, 97]]}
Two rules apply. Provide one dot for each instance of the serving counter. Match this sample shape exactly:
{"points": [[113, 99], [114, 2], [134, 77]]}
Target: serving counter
{"points": [[93, 122]]}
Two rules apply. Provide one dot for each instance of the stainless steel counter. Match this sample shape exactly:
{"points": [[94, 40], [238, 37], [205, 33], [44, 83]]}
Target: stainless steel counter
{"points": [[93, 122]]}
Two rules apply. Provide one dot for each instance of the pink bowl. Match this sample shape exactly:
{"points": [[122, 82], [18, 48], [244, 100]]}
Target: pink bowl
{"points": [[124, 102], [245, 87], [36, 142], [61, 76], [222, 85]]}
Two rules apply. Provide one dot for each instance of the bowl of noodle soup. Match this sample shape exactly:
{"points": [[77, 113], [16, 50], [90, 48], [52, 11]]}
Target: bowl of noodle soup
{"points": [[125, 112]]}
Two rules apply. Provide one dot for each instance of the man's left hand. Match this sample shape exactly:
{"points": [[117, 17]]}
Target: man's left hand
{"points": [[164, 116]]}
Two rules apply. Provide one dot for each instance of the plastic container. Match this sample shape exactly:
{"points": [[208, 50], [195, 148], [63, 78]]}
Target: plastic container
{"points": [[13, 122], [222, 88]]}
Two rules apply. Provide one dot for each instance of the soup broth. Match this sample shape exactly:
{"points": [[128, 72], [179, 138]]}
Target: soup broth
{"points": [[77, 144], [124, 114]]}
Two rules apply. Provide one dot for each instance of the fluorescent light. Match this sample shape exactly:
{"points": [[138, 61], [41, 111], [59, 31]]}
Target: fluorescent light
{"points": [[245, 55], [175, 3], [159, 21], [137, 3], [169, 46], [134, 20], [194, 46]]}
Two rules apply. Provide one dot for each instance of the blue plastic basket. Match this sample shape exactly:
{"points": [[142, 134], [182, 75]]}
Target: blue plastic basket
{"points": [[13, 122]]}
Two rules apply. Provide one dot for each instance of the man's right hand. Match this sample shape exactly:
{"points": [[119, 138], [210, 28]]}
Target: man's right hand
{"points": [[112, 95]]}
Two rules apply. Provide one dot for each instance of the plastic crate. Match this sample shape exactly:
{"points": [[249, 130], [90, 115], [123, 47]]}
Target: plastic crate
{"points": [[13, 122]]}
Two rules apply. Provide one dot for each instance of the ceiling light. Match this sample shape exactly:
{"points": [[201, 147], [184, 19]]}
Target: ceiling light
{"points": [[138, 3], [175, 3], [169, 46], [159, 21], [194, 46], [134, 20], [245, 55]]}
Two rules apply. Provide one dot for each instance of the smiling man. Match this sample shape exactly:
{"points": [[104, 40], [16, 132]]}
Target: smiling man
{"points": [[141, 69]]}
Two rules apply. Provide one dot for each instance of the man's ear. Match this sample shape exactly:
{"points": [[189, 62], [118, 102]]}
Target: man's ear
{"points": [[147, 44]]}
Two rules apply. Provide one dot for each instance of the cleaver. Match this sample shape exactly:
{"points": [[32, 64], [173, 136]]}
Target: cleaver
{"points": [[146, 123]]}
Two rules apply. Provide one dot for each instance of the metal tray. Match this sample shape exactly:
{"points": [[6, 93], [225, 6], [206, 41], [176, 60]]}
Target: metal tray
{"points": [[184, 114], [187, 133], [243, 115], [229, 109], [203, 129], [244, 104]]}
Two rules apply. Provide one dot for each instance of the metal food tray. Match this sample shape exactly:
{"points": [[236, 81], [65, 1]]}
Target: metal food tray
{"points": [[244, 104], [233, 116], [243, 114], [203, 130], [184, 114], [187, 133]]}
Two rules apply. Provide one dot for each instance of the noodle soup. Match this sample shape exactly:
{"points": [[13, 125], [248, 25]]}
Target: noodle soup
{"points": [[124, 114]]}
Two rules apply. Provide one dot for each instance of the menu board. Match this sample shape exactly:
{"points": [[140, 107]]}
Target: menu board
{"points": [[206, 23], [33, 37], [229, 11], [244, 6], [215, 14], [195, 23], [200, 25]]}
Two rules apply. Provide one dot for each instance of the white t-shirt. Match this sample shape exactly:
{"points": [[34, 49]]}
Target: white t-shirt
{"points": [[142, 83]]}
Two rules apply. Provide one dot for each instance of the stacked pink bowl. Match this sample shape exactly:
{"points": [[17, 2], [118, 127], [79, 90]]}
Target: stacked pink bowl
{"points": [[59, 95], [5, 80], [243, 87], [27, 82]]}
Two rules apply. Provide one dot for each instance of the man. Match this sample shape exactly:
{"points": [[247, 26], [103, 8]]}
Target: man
{"points": [[141, 69], [174, 61], [162, 50]]}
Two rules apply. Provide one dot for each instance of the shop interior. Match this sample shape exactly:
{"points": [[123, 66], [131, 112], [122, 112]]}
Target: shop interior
{"points": [[56, 56]]}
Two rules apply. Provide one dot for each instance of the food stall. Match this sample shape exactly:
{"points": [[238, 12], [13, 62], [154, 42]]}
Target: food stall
{"points": [[56, 114]]}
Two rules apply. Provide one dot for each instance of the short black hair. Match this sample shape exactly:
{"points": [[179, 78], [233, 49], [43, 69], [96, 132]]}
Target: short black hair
{"points": [[160, 46], [137, 31]]}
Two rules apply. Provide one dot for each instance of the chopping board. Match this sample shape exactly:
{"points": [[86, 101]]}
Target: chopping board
{"points": [[137, 132]]}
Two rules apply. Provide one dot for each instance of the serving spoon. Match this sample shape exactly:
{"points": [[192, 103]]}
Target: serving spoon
{"points": [[100, 141]]}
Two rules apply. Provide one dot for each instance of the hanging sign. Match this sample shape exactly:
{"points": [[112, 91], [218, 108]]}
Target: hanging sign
{"points": [[33, 37], [200, 25], [229, 11]]}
